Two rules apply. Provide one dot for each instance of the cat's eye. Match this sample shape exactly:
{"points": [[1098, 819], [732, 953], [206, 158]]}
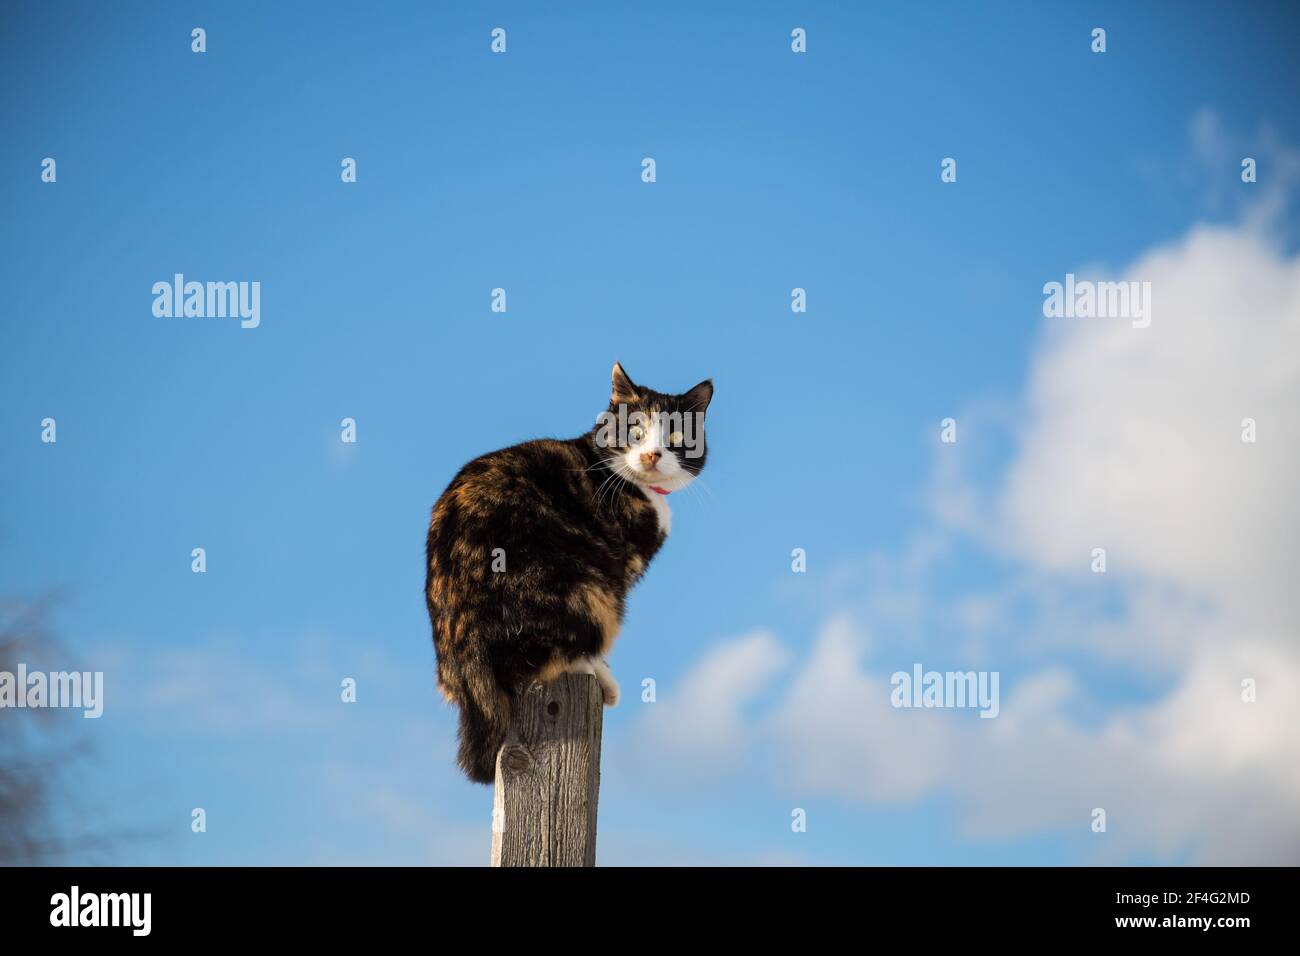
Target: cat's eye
{"points": [[675, 438], [635, 434]]}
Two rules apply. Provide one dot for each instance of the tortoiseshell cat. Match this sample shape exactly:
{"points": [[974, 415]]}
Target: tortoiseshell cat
{"points": [[533, 549]]}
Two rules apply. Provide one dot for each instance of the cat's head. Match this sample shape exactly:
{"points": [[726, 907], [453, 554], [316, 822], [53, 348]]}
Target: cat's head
{"points": [[654, 438]]}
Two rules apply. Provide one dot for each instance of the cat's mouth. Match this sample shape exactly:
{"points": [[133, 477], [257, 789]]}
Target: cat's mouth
{"points": [[657, 479], [642, 476]]}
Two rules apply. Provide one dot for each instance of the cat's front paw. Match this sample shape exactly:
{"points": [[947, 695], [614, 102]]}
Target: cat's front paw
{"points": [[608, 686], [610, 691]]}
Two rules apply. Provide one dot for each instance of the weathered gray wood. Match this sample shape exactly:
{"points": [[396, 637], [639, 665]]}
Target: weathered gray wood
{"points": [[548, 776]]}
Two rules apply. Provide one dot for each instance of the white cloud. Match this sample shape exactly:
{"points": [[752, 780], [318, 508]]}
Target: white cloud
{"points": [[1217, 153], [1127, 439], [701, 720], [838, 733], [1197, 771], [1133, 436]]}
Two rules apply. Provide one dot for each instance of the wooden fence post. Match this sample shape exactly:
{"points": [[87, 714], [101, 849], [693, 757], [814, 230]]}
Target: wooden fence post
{"points": [[548, 776]]}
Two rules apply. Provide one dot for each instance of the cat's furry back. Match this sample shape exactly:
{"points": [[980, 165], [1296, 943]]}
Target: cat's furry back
{"points": [[531, 553]]}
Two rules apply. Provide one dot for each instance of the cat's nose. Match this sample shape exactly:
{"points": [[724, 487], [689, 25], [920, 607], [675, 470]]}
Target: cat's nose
{"points": [[650, 458]]}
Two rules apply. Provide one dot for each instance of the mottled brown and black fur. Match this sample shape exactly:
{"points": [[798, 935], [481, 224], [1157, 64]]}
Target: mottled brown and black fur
{"points": [[574, 536]]}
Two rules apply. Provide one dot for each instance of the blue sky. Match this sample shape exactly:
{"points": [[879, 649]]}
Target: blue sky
{"points": [[522, 171]]}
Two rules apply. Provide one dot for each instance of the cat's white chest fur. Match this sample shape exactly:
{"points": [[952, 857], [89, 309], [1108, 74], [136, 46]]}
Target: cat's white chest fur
{"points": [[662, 511]]}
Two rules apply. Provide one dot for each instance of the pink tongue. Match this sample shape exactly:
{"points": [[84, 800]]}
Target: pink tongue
{"points": [[659, 491]]}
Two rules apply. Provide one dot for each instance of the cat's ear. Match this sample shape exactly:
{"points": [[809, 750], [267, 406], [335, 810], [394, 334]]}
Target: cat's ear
{"points": [[698, 398], [622, 389]]}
